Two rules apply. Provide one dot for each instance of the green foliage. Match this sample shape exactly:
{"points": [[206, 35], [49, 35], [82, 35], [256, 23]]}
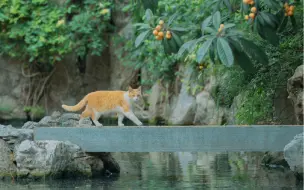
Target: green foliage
{"points": [[35, 111], [39, 31], [255, 107], [230, 83]]}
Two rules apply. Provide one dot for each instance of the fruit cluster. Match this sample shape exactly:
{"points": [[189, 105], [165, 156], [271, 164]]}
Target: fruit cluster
{"points": [[221, 28], [289, 9], [253, 11], [159, 32]]}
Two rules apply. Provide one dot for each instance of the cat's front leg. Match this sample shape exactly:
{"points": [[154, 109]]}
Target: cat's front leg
{"points": [[133, 118], [120, 119]]}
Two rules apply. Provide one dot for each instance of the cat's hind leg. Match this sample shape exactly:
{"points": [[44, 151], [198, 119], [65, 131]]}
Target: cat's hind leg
{"points": [[95, 116], [85, 114]]}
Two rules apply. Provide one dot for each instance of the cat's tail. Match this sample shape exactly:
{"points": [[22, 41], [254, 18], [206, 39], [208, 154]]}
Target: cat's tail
{"points": [[77, 107]]}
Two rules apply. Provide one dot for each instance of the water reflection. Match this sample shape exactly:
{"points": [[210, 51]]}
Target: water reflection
{"points": [[180, 171]]}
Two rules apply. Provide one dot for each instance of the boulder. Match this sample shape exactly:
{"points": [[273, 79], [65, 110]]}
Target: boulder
{"points": [[296, 93], [293, 154], [185, 105], [207, 112], [159, 107], [30, 125], [274, 159], [7, 166], [54, 159], [58, 120], [14, 136]]}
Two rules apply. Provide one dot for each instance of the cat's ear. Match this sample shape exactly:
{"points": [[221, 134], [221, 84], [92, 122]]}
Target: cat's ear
{"points": [[139, 88], [130, 89]]}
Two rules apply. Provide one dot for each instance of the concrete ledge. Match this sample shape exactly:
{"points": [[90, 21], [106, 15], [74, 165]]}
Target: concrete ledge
{"points": [[173, 138]]}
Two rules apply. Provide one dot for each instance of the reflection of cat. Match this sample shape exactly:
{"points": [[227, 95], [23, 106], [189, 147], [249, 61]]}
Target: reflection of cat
{"points": [[100, 102]]}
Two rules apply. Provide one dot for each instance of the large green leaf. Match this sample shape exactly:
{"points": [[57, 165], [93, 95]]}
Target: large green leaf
{"points": [[171, 19], [206, 23], [141, 37], [142, 26], [185, 47], [242, 59], [270, 19], [210, 30], [202, 51], [254, 51], [229, 25], [268, 34], [149, 15], [224, 52], [177, 39], [178, 29], [216, 19], [166, 46], [173, 45]]}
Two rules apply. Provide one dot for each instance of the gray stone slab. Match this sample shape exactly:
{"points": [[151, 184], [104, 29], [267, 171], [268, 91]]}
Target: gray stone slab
{"points": [[173, 139]]}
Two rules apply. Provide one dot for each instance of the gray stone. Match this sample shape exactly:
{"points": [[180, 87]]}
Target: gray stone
{"points": [[7, 167], [207, 112], [274, 159], [293, 154], [54, 159], [184, 110], [237, 102], [14, 136], [159, 107], [30, 125], [296, 93], [66, 119]]}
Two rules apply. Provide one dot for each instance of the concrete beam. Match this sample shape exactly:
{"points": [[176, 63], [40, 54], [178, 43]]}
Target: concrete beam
{"points": [[173, 138]]}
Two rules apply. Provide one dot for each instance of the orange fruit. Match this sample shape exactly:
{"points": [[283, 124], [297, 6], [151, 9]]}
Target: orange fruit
{"points": [[168, 36], [246, 1], [158, 37], [158, 27], [222, 26], [161, 22], [290, 13], [161, 34], [287, 8], [251, 3], [168, 33], [251, 15], [220, 29], [291, 8], [286, 5], [155, 32], [253, 9], [246, 17]]}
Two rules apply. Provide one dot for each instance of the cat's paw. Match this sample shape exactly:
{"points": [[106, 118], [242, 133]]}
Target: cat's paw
{"points": [[121, 125], [140, 124]]}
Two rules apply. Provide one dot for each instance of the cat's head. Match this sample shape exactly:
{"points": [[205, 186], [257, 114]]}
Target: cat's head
{"points": [[134, 94]]}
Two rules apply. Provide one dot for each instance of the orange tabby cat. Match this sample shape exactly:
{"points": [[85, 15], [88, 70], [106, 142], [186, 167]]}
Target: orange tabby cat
{"points": [[100, 102]]}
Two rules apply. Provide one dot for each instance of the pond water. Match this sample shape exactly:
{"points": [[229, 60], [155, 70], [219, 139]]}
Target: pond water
{"points": [[166, 171]]}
